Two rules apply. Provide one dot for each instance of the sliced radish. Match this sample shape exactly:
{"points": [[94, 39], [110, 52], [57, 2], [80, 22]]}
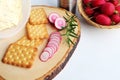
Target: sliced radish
{"points": [[53, 46], [50, 50], [53, 49], [55, 33], [53, 17], [44, 56], [57, 38], [55, 43], [60, 23]]}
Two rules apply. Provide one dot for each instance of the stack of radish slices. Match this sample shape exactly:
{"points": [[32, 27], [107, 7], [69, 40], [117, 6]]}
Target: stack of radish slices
{"points": [[51, 47], [103, 12]]}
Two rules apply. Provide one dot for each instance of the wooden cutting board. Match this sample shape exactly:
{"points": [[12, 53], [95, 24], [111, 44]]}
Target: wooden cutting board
{"points": [[39, 70]]}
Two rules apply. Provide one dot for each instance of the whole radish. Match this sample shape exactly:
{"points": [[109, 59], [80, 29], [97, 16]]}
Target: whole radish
{"points": [[115, 18], [115, 2], [108, 8], [118, 8], [89, 11], [97, 3], [103, 19]]}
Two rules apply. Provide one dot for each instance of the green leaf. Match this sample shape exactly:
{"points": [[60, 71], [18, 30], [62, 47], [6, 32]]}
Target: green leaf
{"points": [[68, 42], [73, 36], [67, 14], [71, 41], [74, 33], [73, 25], [65, 19]]}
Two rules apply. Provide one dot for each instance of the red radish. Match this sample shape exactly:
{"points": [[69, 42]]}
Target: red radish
{"points": [[60, 23], [86, 2], [115, 2], [89, 11], [44, 56], [108, 8], [103, 19], [53, 16], [97, 3], [115, 18], [118, 8], [96, 14]]}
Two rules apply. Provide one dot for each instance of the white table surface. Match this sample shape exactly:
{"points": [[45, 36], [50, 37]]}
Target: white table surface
{"points": [[97, 56]]}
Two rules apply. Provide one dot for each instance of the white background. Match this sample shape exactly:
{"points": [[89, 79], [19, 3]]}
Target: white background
{"points": [[97, 56]]}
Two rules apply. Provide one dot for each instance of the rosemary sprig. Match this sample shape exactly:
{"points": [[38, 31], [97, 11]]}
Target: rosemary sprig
{"points": [[71, 25]]}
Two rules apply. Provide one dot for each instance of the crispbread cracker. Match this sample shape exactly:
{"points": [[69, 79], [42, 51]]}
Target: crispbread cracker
{"points": [[27, 42], [37, 31], [38, 16], [18, 55]]}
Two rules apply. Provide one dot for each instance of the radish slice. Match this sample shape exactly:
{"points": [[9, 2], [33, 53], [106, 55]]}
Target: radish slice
{"points": [[60, 23], [53, 42], [57, 38], [48, 49], [44, 56], [55, 35], [52, 50], [53, 46], [53, 17]]}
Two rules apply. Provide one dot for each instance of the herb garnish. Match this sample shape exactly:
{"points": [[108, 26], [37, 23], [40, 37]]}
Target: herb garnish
{"points": [[71, 25]]}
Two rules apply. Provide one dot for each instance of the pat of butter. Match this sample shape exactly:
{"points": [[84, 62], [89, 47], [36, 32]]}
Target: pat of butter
{"points": [[10, 13]]}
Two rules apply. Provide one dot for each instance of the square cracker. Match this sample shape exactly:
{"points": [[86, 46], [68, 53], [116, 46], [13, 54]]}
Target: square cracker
{"points": [[27, 42], [18, 55], [38, 16], [37, 31]]}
